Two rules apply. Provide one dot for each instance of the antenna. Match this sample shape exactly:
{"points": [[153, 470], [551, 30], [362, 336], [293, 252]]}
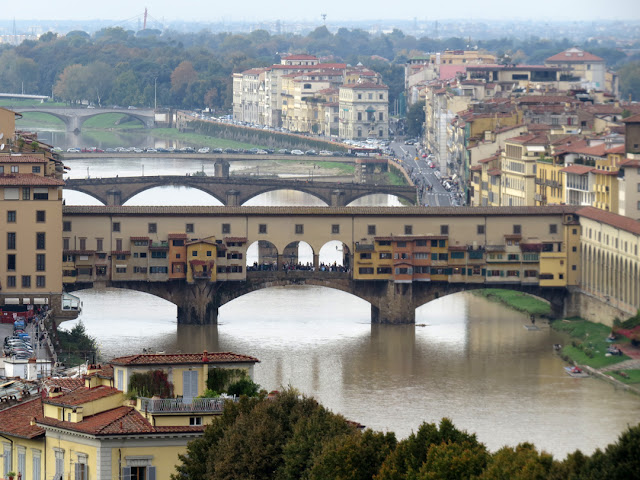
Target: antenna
{"points": [[324, 18]]}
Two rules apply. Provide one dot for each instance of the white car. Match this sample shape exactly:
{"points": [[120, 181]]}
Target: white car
{"points": [[204, 150], [297, 152], [325, 153], [73, 150]]}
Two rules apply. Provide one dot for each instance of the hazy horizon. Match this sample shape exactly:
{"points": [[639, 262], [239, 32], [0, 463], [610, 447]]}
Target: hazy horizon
{"points": [[165, 11]]}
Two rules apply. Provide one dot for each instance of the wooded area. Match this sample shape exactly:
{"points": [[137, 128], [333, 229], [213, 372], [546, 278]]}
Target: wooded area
{"points": [[118, 67]]}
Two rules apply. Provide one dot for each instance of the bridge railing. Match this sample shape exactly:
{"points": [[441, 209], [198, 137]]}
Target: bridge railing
{"points": [[296, 274]]}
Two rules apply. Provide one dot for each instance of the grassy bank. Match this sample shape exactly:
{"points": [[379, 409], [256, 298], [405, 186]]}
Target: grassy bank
{"points": [[516, 300], [588, 342], [40, 120]]}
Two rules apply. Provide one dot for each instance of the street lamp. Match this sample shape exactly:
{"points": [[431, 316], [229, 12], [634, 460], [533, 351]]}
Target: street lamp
{"points": [[155, 93]]}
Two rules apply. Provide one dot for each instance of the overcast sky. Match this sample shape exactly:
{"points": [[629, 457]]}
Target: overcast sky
{"points": [[291, 10]]}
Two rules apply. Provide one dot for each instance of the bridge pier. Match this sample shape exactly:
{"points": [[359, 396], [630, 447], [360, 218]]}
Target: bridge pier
{"points": [[395, 304], [198, 304]]}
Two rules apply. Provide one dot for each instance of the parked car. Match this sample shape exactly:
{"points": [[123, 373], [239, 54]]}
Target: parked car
{"points": [[297, 152]]}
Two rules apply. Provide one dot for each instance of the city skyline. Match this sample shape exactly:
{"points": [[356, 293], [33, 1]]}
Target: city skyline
{"points": [[253, 10]]}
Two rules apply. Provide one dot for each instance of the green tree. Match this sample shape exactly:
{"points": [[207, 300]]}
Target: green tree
{"points": [[520, 463], [453, 460], [415, 119], [353, 457], [629, 78]]}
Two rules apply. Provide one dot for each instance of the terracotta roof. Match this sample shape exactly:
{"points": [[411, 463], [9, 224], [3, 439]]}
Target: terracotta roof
{"points": [[577, 169], [183, 358], [66, 384], [208, 211], [489, 159], [365, 85], [253, 71], [120, 252], [139, 239], [300, 57], [574, 54], [118, 421], [613, 219], [16, 420], [596, 150], [476, 168], [530, 139], [21, 159], [630, 162], [546, 99], [494, 171], [104, 372], [20, 179], [616, 150], [632, 119], [82, 395]]}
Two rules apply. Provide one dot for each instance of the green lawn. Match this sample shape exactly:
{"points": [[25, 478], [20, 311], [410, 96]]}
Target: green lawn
{"points": [[395, 178], [37, 119], [589, 344], [345, 168], [628, 377], [110, 121], [516, 300]]}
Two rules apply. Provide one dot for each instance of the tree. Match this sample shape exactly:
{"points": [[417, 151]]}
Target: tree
{"points": [[71, 85], [520, 463], [100, 81], [629, 77], [415, 119]]}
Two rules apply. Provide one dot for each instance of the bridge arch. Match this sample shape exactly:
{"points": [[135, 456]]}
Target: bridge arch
{"points": [[65, 119], [143, 120], [86, 192], [143, 188], [275, 188], [363, 196]]}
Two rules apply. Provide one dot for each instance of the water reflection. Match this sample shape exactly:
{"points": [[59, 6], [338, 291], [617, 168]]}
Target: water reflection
{"points": [[473, 362]]}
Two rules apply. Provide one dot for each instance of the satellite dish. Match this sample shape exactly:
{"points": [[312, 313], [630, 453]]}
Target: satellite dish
{"points": [[1, 136], [2, 147]]}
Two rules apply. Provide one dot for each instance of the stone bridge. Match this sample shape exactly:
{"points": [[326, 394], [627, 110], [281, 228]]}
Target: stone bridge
{"points": [[390, 302], [233, 191], [73, 118]]}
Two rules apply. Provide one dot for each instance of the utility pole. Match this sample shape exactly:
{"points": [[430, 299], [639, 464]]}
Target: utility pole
{"points": [[155, 93]]}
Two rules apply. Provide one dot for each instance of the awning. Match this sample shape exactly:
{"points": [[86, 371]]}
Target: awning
{"points": [[12, 301], [40, 301], [26, 301]]}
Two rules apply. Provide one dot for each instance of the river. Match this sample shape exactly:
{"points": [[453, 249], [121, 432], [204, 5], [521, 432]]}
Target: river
{"points": [[473, 362]]}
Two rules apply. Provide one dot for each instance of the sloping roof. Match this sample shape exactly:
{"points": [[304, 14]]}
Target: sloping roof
{"points": [[577, 169], [300, 56], [20, 179], [183, 358], [574, 54], [83, 395], [16, 420], [22, 159], [66, 384], [365, 85], [613, 219], [630, 162], [632, 119]]}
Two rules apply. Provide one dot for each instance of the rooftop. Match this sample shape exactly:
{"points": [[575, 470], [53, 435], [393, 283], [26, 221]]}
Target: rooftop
{"points": [[574, 55], [21, 179], [613, 219], [183, 358], [83, 395], [16, 420]]}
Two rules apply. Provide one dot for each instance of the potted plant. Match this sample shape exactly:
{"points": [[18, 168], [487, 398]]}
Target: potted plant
{"points": [[11, 475]]}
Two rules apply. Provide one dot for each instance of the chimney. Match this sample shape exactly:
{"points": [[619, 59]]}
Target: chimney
{"points": [[205, 357], [55, 392], [32, 369]]}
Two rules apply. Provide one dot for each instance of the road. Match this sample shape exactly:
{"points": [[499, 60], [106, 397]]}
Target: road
{"points": [[432, 190]]}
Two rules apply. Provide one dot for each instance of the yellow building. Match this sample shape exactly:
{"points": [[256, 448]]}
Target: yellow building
{"points": [[94, 432], [518, 166], [549, 184]]}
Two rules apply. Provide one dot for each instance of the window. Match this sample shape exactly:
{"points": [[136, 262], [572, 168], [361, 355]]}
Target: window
{"points": [[381, 116], [226, 228], [385, 255], [11, 240], [99, 244], [335, 228], [365, 270], [444, 229], [517, 229], [153, 228], [408, 229], [40, 262], [208, 253], [11, 281], [81, 471], [365, 256], [11, 216], [35, 169], [115, 227], [15, 169], [139, 473], [553, 228], [160, 254], [457, 255], [40, 194], [26, 193], [36, 470], [59, 453], [65, 243], [11, 262], [299, 228], [119, 244], [262, 228], [359, 116], [66, 226], [83, 244], [194, 253], [371, 229], [195, 420], [480, 229], [40, 216], [189, 228], [40, 281], [26, 281]]}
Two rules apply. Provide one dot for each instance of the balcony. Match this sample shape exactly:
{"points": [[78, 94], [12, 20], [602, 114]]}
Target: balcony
{"points": [[179, 405]]}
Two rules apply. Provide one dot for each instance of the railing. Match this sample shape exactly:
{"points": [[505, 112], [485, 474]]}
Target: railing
{"points": [[177, 405]]}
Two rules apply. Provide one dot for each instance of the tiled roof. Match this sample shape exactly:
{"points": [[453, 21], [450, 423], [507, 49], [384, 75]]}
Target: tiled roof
{"points": [[613, 219], [236, 239], [300, 57], [83, 395], [66, 384], [630, 162], [177, 235], [16, 420], [577, 169], [21, 159], [632, 119], [20, 179], [118, 421], [530, 139], [205, 211], [182, 358], [365, 85], [139, 239], [574, 55], [494, 171], [545, 99]]}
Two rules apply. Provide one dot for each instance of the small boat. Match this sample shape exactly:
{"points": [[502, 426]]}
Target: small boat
{"points": [[575, 372]]}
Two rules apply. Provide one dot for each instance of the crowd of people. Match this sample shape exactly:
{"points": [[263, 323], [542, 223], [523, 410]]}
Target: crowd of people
{"points": [[293, 266]]}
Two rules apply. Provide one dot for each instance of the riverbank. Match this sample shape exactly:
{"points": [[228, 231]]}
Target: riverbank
{"points": [[591, 344]]}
